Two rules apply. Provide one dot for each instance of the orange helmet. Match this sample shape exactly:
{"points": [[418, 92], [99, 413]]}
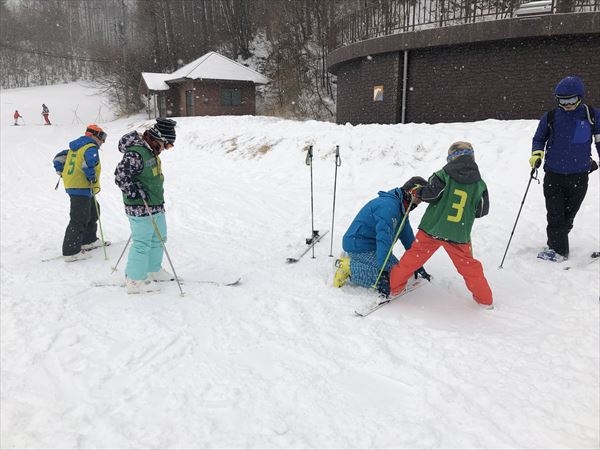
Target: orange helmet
{"points": [[95, 130]]}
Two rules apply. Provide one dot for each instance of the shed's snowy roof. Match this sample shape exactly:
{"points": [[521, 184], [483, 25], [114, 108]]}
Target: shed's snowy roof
{"points": [[214, 66], [156, 81]]}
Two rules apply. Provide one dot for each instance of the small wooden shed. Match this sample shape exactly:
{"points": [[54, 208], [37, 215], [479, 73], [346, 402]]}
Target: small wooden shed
{"points": [[212, 85]]}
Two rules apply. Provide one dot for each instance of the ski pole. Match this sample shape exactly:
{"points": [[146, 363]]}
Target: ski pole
{"points": [[532, 176], [114, 268], [314, 233], [99, 221], [393, 242], [57, 183], [162, 242], [338, 163]]}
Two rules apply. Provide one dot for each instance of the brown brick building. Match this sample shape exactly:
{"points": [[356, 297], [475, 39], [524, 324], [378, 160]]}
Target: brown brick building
{"points": [[212, 85], [500, 69]]}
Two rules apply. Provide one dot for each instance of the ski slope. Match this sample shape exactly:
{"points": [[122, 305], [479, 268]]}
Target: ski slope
{"points": [[281, 360]]}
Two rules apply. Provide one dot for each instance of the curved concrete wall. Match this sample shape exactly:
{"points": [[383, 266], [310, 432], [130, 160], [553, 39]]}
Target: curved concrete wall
{"points": [[504, 69]]}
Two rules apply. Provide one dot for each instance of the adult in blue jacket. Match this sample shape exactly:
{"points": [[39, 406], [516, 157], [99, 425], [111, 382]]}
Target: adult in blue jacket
{"points": [[371, 236], [564, 138], [79, 167]]}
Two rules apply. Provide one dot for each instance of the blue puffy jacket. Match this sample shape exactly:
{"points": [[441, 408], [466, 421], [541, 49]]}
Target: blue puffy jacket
{"points": [[376, 225], [91, 158], [568, 143]]}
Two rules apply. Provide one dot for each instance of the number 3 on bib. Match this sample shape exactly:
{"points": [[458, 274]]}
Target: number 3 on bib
{"points": [[459, 207]]}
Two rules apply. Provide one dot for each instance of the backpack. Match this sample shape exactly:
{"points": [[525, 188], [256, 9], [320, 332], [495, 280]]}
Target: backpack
{"points": [[588, 110]]}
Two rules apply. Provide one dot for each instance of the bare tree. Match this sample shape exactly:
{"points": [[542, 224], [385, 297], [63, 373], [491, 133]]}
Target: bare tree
{"points": [[113, 41]]}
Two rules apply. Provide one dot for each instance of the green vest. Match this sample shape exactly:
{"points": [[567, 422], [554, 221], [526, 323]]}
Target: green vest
{"points": [[151, 178], [451, 217], [73, 175]]}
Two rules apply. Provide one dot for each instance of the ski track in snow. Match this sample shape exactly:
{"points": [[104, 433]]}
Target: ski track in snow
{"points": [[281, 361]]}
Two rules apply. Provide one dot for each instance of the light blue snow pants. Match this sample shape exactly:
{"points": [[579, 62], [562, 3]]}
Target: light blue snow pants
{"points": [[146, 252], [364, 268]]}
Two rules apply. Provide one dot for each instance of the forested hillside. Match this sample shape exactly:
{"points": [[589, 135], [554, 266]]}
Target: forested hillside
{"points": [[113, 41]]}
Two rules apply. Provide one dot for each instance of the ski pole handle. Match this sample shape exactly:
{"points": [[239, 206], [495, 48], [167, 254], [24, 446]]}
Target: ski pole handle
{"points": [[338, 160], [309, 156]]}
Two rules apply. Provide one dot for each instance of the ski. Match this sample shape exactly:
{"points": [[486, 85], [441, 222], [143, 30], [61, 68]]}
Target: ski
{"points": [[56, 258], [52, 258], [593, 258], [382, 301], [106, 244], [232, 282], [311, 243]]}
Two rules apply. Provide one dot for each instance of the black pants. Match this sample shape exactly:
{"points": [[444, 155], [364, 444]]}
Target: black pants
{"points": [[564, 195], [82, 226]]}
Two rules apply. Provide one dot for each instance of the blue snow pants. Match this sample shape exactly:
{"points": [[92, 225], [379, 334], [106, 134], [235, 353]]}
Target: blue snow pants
{"points": [[364, 268], [146, 252]]}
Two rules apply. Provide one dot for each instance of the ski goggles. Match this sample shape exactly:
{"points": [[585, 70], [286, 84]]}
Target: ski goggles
{"points": [[99, 134], [460, 152], [568, 101], [102, 136]]}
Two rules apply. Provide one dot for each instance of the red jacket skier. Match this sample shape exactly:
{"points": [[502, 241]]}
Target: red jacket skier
{"points": [[45, 113]]}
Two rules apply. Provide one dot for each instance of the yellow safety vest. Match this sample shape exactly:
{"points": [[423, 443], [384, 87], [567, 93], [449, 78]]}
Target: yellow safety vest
{"points": [[73, 175]]}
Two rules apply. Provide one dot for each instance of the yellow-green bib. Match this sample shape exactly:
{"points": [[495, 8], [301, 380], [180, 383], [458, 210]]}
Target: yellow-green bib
{"points": [[73, 175]]}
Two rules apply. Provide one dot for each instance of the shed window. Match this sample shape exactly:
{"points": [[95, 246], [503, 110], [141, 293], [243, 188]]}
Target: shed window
{"points": [[231, 97]]}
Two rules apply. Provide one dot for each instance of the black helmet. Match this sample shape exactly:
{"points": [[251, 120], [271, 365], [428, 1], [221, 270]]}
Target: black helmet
{"points": [[412, 182]]}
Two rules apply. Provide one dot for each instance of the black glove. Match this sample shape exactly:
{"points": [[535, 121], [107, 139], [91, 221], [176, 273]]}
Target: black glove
{"points": [[593, 166], [383, 285], [420, 272]]}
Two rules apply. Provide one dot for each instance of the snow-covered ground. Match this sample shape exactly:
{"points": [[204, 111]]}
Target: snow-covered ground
{"points": [[281, 361]]}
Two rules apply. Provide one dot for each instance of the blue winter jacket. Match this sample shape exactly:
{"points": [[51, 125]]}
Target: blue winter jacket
{"points": [[568, 144], [376, 225], [91, 156]]}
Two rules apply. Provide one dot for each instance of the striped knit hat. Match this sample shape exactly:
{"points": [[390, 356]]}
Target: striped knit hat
{"points": [[163, 130]]}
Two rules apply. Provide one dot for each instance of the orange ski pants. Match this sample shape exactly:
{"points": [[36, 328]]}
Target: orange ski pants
{"points": [[461, 255]]}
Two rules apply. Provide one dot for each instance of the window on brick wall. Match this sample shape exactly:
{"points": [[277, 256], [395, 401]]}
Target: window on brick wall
{"points": [[231, 97], [378, 93]]}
